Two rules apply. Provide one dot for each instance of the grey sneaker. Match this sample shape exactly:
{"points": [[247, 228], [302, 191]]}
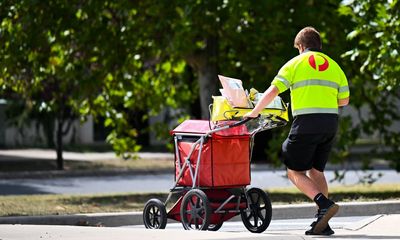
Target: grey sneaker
{"points": [[327, 231], [323, 216]]}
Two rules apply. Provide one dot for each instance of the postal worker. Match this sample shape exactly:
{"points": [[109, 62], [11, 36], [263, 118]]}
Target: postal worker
{"points": [[318, 87]]}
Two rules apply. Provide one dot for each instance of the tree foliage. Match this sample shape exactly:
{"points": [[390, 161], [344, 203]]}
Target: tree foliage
{"points": [[117, 59], [375, 64], [75, 58]]}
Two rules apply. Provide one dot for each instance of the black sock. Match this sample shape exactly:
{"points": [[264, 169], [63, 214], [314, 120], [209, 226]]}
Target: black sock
{"points": [[322, 201]]}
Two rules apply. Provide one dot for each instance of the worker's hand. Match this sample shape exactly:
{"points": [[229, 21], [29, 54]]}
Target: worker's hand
{"points": [[251, 114]]}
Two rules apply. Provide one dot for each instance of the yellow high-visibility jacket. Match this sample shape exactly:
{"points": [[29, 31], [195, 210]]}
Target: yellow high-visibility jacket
{"points": [[316, 83]]}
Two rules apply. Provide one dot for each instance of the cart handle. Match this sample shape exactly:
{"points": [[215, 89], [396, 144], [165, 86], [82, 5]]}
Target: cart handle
{"points": [[245, 120], [241, 122]]}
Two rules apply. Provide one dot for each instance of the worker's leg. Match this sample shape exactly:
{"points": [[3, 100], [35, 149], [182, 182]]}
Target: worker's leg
{"points": [[319, 180], [320, 158], [303, 183], [299, 152], [318, 193]]}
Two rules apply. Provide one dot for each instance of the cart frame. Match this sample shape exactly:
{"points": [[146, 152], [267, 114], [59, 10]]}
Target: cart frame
{"points": [[196, 204]]}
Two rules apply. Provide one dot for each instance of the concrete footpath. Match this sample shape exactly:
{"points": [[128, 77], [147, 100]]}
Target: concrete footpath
{"points": [[28, 232], [377, 227]]}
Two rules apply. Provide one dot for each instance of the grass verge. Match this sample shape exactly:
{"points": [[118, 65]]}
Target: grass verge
{"points": [[29, 205]]}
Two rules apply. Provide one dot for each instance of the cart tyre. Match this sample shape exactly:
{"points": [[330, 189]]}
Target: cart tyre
{"points": [[257, 216], [195, 210], [154, 214], [214, 227]]}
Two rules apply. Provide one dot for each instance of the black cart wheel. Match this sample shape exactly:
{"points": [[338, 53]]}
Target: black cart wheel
{"points": [[214, 227], [195, 210], [154, 214], [257, 216]]}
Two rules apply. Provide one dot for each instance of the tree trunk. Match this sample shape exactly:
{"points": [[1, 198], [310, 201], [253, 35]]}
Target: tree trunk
{"points": [[48, 128], [59, 145], [205, 64], [208, 87]]}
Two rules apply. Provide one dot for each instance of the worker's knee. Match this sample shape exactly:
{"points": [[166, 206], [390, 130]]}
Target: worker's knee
{"points": [[292, 175], [314, 173]]}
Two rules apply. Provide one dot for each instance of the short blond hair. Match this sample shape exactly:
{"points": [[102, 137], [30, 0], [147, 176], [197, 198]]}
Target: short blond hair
{"points": [[308, 37]]}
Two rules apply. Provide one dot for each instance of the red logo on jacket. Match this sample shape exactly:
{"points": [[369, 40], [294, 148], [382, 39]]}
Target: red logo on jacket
{"points": [[321, 67]]}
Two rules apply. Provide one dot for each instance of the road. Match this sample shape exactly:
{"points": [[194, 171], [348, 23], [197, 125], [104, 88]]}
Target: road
{"points": [[157, 183]]}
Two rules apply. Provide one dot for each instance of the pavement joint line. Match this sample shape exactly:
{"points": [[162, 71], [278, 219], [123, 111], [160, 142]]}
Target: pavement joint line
{"points": [[363, 223]]}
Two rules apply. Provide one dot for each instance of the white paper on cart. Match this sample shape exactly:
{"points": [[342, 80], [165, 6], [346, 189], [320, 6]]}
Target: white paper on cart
{"points": [[233, 91], [276, 103]]}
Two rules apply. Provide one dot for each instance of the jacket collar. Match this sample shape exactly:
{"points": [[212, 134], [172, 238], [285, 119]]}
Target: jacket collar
{"points": [[312, 50]]}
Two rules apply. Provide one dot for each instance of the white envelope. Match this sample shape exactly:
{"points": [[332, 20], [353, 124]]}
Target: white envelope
{"points": [[233, 91]]}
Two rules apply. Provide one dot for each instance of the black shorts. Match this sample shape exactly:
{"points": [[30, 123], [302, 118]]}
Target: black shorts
{"points": [[301, 152]]}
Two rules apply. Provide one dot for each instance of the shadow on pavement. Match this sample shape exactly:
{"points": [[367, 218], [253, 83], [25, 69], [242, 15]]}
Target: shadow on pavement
{"points": [[17, 189], [20, 163]]}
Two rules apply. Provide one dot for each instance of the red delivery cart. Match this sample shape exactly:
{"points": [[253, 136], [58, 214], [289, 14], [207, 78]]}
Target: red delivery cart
{"points": [[212, 172]]}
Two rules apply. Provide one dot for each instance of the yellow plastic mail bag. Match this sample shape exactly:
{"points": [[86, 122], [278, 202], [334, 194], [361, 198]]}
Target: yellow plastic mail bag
{"points": [[223, 110]]}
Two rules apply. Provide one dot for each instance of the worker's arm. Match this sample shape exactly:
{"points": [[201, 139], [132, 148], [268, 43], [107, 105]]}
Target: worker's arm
{"points": [[343, 102], [266, 98]]}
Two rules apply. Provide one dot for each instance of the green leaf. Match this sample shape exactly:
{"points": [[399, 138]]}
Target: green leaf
{"points": [[353, 34], [179, 67], [108, 122], [166, 66]]}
